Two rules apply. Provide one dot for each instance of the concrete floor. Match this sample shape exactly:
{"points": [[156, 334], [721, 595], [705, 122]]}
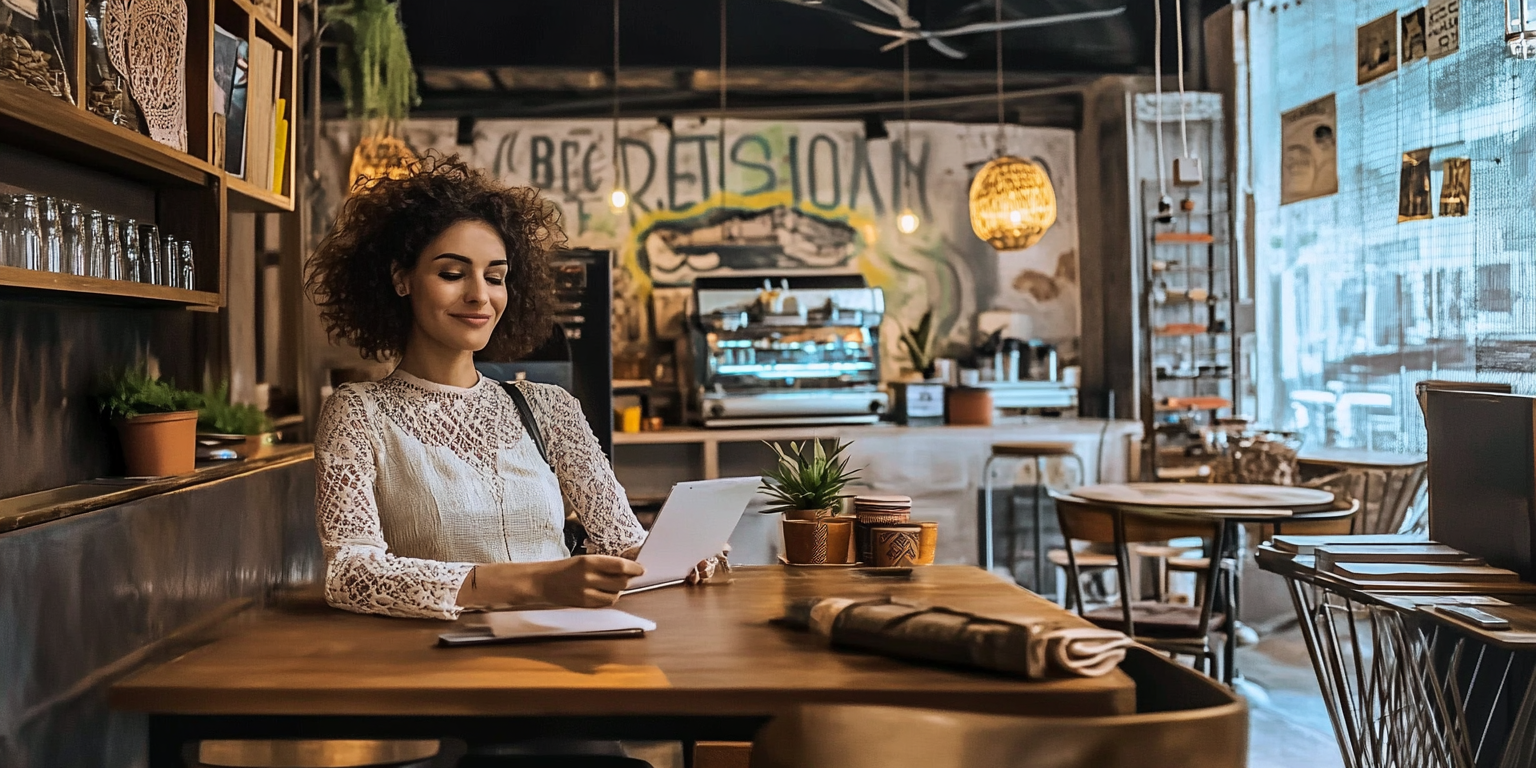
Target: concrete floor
{"points": [[1288, 722]]}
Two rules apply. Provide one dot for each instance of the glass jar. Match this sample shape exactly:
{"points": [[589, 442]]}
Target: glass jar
{"points": [[170, 255], [133, 269], [73, 222], [30, 46], [112, 249], [51, 230], [107, 92], [27, 237], [95, 242], [7, 229], [188, 267], [151, 268]]}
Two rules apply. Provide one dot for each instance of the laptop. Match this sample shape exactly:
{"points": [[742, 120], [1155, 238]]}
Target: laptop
{"points": [[694, 524]]}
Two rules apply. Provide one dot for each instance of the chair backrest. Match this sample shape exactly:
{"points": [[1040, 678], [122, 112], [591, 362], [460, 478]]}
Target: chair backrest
{"points": [[856, 736], [1083, 520], [1421, 389]]}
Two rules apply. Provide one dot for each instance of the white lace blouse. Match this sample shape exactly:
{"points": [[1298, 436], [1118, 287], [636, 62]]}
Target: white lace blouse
{"points": [[417, 482]]}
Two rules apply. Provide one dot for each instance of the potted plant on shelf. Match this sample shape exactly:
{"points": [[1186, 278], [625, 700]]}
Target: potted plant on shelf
{"points": [[243, 428], [807, 487], [156, 421]]}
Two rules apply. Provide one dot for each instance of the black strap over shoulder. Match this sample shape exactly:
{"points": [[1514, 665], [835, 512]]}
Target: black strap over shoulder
{"points": [[525, 412], [575, 534]]}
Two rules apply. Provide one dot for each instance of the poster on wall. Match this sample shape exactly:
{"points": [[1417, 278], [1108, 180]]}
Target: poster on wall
{"points": [[1456, 187], [1376, 49], [1413, 36], [1443, 27], [1413, 187], [1309, 151]]}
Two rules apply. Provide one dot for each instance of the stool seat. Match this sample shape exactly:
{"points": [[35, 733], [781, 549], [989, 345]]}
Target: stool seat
{"points": [[1029, 449], [314, 753], [1158, 620], [1163, 550], [1197, 564], [1084, 559]]}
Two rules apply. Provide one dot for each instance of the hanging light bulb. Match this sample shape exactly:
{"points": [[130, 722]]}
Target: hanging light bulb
{"points": [[907, 221], [1012, 200], [618, 198]]}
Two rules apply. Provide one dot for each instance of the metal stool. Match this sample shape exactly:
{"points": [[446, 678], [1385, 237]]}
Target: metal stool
{"points": [[1037, 452], [313, 753]]}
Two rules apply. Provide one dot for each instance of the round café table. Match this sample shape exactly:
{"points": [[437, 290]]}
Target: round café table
{"points": [[1232, 503]]}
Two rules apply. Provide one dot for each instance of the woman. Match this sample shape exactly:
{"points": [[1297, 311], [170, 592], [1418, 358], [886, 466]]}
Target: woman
{"points": [[431, 498]]}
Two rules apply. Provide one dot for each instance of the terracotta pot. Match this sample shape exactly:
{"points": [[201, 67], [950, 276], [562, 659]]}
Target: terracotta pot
{"points": [[808, 514], [896, 545], [968, 406], [927, 542], [817, 542], [258, 445], [159, 444]]}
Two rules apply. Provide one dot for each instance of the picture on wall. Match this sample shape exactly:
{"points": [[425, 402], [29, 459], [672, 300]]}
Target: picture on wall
{"points": [[1456, 187], [1309, 151], [1414, 47], [1443, 33], [1413, 187], [1376, 49]]}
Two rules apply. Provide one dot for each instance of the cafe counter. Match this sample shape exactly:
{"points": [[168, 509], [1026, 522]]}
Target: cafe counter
{"points": [[939, 467]]}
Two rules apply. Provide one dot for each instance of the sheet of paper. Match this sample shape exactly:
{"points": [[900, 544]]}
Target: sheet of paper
{"points": [[563, 621]]}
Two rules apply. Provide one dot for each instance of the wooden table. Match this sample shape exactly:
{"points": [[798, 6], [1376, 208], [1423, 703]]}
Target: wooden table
{"points": [[713, 669]]}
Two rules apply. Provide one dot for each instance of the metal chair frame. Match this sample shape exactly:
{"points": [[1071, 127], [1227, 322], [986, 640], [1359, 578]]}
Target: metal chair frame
{"points": [[985, 535]]}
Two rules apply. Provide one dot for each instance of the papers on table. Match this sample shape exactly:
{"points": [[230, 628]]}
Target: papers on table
{"points": [[559, 622]]}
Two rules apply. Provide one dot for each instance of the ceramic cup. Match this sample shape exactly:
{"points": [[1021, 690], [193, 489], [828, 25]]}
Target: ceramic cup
{"points": [[863, 544], [927, 543], [896, 546]]}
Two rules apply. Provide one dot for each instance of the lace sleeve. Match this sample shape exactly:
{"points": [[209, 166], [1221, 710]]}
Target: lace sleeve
{"points": [[585, 476], [361, 575]]}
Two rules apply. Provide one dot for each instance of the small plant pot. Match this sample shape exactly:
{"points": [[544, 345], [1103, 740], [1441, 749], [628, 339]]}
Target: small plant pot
{"points": [[817, 542], [159, 444], [258, 445]]}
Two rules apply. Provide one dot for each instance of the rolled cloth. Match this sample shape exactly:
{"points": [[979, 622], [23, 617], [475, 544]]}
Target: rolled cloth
{"points": [[1029, 647]]}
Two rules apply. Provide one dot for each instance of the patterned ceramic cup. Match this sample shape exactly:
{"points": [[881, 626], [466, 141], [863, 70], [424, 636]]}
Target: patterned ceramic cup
{"points": [[896, 546]]}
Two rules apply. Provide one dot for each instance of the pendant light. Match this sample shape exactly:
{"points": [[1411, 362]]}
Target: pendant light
{"points": [[618, 197], [907, 221], [1012, 201], [720, 163]]}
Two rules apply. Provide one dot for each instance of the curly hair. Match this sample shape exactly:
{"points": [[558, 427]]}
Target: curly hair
{"points": [[384, 227]]}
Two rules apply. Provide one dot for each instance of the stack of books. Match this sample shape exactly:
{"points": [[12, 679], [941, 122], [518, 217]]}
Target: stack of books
{"points": [[1391, 562], [247, 94]]}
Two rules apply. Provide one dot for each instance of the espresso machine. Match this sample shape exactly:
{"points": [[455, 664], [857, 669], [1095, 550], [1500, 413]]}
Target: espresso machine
{"points": [[776, 349]]}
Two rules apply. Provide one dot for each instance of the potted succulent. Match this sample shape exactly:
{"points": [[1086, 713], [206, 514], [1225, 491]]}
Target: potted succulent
{"points": [[156, 421], [243, 428], [807, 487]]}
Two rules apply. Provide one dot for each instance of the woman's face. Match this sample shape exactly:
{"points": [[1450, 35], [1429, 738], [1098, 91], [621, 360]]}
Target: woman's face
{"points": [[457, 290]]}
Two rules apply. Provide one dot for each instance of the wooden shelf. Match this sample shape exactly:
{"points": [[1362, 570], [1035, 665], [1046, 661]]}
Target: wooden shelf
{"points": [[245, 196], [1183, 238], [269, 29], [35, 121], [15, 277]]}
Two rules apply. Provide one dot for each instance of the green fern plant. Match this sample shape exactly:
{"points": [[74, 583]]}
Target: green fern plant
{"points": [[133, 392], [808, 477], [219, 416]]}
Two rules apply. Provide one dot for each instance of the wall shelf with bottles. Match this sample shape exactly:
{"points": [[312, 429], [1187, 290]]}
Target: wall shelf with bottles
{"points": [[88, 126]]}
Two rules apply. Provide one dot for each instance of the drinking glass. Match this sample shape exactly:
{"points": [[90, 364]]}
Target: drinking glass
{"points": [[7, 228], [51, 235], [112, 250], [149, 255], [74, 239], [28, 235], [188, 267], [133, 268], [95, 245], [170, 254]]}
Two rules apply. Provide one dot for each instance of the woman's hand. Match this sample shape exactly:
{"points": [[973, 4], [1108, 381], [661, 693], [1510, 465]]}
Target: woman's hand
{"points": [[702, 572], [589, 581]]}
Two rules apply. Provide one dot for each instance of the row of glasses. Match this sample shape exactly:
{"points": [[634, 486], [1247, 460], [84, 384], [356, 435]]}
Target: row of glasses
{"points": [[52, 235]]}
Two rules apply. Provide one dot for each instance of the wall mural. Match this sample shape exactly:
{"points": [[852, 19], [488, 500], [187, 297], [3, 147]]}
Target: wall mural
{"points": [[790, 196]]}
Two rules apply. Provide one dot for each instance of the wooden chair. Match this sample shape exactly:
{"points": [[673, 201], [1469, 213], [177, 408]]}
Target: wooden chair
{"points": [[1182, 719], [1174, 629], [311, 753]]}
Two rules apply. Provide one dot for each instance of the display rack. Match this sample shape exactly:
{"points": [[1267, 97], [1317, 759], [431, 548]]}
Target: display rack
{"points": [[193, 197], [1190, 363]]}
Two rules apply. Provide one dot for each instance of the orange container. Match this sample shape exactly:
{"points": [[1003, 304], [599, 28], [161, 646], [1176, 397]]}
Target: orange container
{"points": [[968, 406], [159, 444]]}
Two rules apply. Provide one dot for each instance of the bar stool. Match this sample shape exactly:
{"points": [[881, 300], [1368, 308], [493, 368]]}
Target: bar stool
{"points": [[1037, 452]]}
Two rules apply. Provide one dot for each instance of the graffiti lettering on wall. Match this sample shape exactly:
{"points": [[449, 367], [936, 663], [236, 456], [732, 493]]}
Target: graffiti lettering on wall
{"points": [[785, 196]]}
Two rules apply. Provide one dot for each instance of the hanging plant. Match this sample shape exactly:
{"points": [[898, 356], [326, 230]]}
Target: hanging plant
{"points": [[378, 84]]}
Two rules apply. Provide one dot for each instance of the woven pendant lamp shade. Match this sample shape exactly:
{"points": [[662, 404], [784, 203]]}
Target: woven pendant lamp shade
{"points": [[380, 156], [1012, 203]]}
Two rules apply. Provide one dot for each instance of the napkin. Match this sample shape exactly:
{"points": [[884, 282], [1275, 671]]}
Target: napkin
{"points": [[563, 621], [1031, 647]]}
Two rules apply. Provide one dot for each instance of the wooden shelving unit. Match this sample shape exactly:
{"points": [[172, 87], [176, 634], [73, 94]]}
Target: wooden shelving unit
{"points": [[193, 196]]}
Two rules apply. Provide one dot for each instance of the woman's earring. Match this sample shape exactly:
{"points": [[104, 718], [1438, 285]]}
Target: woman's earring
{"points": [[402, 290]]}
